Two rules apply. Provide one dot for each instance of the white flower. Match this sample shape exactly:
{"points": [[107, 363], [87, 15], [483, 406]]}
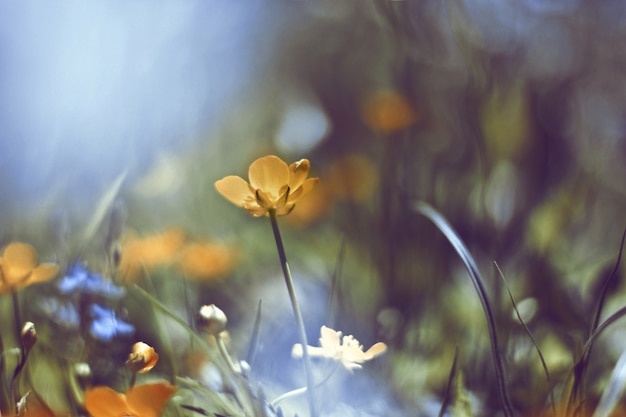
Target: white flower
{"points": [[346, 350]]}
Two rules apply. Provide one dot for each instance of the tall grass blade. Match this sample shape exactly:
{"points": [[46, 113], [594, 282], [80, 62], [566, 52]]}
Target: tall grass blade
{"points": [[614, 390], [605, 287], [254, 339], [580, 368], [530, 335], [334, 284], [101, 210], [442, 224], [448, 394]]}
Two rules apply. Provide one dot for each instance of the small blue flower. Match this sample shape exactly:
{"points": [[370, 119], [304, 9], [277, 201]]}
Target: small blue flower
{"points": [[62, 313], [79, 278], [106, 325]]}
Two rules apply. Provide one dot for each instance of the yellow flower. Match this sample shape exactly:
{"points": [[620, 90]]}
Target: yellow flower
{"points": [[273, 186], [149, 252], [346, 350], [142, 358], [146, 400], [19, 269], [206, 260]]}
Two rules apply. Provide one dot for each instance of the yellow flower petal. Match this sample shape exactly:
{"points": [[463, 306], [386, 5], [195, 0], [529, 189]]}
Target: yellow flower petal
{"points": [[235, 189], [104, 402], [254, 209], [375, 350], [301, 191], [298, 171], [44, 272], [284, 210], [142, 358], [269, 174], [19, 259]]}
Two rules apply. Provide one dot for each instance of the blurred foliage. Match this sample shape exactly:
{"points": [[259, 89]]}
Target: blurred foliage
{"points": [[507, 117]]}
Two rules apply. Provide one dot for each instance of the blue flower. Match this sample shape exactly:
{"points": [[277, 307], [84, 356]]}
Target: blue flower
{"points": [[106, 325], [63, 313], [79, 278]]}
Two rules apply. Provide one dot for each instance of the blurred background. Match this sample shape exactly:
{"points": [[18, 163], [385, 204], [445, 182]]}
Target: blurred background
{"points": [[507, 117]]}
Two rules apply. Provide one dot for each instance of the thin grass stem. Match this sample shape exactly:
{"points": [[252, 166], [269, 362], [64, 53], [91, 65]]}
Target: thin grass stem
{"points": [[448, 394], [254, 339], [334, 285], [300, 391], [580, 368], [296, 311], [532, 338], [167, 343]]}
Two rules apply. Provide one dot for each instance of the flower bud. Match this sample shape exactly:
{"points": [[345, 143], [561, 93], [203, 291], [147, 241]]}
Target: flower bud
{"points": [[212, 320], [82, 371], [28, 337], [142, 358]]}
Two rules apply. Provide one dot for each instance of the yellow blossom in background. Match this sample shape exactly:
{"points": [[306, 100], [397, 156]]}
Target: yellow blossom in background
{"points": [[149, 252], [352, 177], [206, 260], [146, 400], [318, 203], [346, 350], [273, 185], [142, 358], [387, 111], [19, 269]]}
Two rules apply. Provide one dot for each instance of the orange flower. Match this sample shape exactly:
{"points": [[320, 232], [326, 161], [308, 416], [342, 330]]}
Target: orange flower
{"points": [[19, 269], [149, 252], [146, 400], [142, 358], [387, 112], [273, 186], [206, 260]]}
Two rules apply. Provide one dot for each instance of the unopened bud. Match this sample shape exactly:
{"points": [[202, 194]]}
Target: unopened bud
{"points": [[28, 337], [212, 320], [82, 370], [142, 358]]}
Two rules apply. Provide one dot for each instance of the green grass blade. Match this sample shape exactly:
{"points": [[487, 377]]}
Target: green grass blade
{"points": [[532, 338], [101, 210], [254, 339], [448, 394], [442, 224], [580, 368], [613, 392]]}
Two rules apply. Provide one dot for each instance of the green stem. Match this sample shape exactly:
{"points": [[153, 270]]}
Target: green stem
{"points": [[166, 341], [133, 379], [17, 317], [224, 352], [3, 385], [302, 390], [296, 311]]}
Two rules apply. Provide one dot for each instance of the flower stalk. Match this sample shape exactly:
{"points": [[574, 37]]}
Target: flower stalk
{"points": [[296, 310]]}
